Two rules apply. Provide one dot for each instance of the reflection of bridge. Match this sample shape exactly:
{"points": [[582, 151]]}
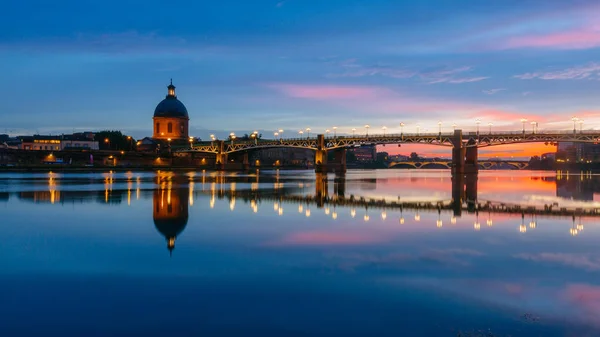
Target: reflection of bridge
{"points": [[464, 199], [487, 165], [464, 145]]}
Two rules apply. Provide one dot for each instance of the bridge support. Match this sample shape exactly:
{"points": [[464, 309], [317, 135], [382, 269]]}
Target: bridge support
{"points": [[464, 157], [321, 155], [322, 164]]}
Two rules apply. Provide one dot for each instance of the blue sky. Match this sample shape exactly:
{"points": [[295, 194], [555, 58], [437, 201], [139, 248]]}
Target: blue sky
{"points": [[262, 65]]}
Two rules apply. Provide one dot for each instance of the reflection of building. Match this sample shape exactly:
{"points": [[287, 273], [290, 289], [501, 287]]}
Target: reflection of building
{"points": [[170, 118], [170, 213], [365, 153], [577, 187]]}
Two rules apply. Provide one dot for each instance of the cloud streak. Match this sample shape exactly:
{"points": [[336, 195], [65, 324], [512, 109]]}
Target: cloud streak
{"points": [[430, 76], [574, 73]]}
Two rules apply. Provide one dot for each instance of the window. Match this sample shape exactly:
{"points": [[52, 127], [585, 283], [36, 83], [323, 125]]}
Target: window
{"points": [[157, 127], [170, 128]]}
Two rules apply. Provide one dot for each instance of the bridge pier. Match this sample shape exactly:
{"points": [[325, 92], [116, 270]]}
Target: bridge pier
{"points": [[464, 157], [322, 165]]}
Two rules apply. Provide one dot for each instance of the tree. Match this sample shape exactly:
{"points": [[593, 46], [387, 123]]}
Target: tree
{"points": [[114, 140], [414, 156]]}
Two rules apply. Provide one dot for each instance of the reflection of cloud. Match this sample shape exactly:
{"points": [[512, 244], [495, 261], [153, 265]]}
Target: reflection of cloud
{"points": [[444, 257], [318, 238], [581, 261], [587, 298]]}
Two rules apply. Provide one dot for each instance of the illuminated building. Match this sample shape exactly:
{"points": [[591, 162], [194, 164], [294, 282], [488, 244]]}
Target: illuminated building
{"points": [[171, 118], [170, 213], [365, 153], [80, 141]]}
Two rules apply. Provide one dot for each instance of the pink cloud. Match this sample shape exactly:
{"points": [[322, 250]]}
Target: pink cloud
{"points": [[324, 92], [576, 39], [317, 238]]}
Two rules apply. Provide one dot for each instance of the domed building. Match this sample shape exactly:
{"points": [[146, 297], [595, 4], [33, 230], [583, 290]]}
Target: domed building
{"points": [[171, 120], [170, 213]]}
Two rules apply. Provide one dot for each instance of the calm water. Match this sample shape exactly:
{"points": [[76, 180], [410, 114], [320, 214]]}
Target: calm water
{"points": [[291, 254]]}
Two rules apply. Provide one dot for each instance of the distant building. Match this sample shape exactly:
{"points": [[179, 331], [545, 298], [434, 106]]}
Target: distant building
{"points": [[171, 119], [578, 152], [76, 141], [365, 153], [282, 157]]}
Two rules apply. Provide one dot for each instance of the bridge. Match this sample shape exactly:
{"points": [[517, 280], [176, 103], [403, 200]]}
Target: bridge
{"points": [[486, 165], [464, 145]]}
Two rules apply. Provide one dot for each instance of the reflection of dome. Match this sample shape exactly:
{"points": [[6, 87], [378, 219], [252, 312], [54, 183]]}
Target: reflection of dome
{"points": [[170, 213]]}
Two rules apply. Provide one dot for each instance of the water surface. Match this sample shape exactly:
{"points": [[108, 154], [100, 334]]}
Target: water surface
{"points": [[373, 253]]}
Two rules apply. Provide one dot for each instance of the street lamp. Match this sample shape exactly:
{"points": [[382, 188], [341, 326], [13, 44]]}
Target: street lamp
{"points": [[353, 131], [580, 125], [454, 127], [477, 121], [327, 132], [384, 128], [276, 134], [301, 133], [533, 124], [401, 129], [574, 119], [490, 125], [107, 141], [191, 143], [335, 132], [367, 127], [232, 136], [308, 131], [280, 134], [418, 128], [523, 120], [440, 127]]}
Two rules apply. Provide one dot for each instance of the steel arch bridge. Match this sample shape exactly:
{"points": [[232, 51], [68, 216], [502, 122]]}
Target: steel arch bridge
{"points": [[470, 139], [487, 165]]}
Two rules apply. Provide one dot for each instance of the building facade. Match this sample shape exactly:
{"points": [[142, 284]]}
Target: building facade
{"points": [[171, 119], [76, 141]]}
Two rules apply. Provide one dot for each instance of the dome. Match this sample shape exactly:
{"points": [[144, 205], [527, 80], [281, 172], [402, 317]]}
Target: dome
{"points": [[171, 106]]}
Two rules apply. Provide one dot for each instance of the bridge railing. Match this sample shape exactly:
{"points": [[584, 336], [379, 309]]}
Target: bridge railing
{"points": [[381, 136]]}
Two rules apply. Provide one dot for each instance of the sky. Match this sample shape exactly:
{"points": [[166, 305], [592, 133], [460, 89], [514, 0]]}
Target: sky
{"points": [[265, 65]]}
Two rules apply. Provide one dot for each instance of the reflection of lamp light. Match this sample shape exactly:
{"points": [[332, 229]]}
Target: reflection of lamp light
{"points": [[417, 216], [307, 212], [522, 227], [366, 217], [477, 225], [453, 220], [438, 223], [383, 215], [280, 212], [232, 204], [352, 212], [334, 215], [327, 210], [300, 208], [275, 206]]}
